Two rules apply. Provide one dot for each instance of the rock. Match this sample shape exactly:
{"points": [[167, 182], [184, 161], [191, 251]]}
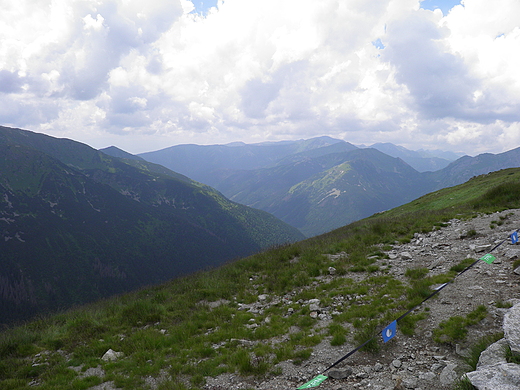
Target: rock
{"points": [[410, 383], [111, 355], [428, 376], [517, 271], [262, 297], [332, 271], [494, 354], [396, 363], [448, 375], [406, 256], [314, 304], [496, 377], [512, 254], [437, 262], [340, 374], [482, 248], [512, 328]]}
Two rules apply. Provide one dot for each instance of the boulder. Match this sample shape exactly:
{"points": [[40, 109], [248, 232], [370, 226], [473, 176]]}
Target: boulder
{"points": [[512, 328], [496, 377], [493, 372], [494, 354]]}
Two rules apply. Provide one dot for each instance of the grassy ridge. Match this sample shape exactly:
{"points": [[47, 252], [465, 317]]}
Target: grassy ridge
{"points": [[194, 327]]}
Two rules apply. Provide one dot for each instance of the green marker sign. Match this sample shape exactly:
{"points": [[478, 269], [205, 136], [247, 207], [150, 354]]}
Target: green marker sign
{"points": [[313, 382], [489, 258]]}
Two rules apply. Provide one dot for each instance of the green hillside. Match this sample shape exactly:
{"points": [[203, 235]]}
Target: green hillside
{"points": [[77, 225], [321, 193], [185, 331]]}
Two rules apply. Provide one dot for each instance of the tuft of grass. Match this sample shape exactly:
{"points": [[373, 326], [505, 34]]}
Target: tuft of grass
{"points": [[516, 264], [408, 323], [463, 384], [338, 333], [480, 346], [503, 305], [416, 273], [461, 266], [512, 357], [456, 328], [366, 335]]}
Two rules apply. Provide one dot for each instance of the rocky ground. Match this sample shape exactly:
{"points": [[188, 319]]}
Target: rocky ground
{"points": [[415, 362]]}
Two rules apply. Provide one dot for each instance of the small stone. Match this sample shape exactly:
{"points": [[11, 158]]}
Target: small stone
{"points": [[262, 297], [448, 375], [340, 374], [111, 355], [436, 367], [410, 383], [428, 376], [362, 375], [332, 271], [482, 248], [406, 256], [396, 363]]}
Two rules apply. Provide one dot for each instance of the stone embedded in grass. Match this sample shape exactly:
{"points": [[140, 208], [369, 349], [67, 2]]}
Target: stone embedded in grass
{"points": [[314, 304], [262, 297], [111, 355]]}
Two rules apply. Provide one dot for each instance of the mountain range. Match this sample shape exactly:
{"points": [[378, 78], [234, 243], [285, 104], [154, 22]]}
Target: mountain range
{"points": [[77, 224], [320, 184]]}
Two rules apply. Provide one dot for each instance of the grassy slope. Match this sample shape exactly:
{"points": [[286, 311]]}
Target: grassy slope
{"points": [[170, 329]]}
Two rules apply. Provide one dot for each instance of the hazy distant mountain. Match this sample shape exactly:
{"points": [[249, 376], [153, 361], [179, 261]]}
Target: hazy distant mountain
{"points": [[421, 160], [299, 181], [467, 167], [77, 224], [199, 162]]}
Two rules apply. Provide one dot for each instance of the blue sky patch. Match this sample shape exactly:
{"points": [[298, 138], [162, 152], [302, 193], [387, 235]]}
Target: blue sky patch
{"points": [[443, 5], [377, 43], [202, 6]]}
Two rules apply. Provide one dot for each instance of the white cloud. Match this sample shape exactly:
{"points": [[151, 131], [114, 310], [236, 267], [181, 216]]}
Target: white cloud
{"points": [[139, 74]]}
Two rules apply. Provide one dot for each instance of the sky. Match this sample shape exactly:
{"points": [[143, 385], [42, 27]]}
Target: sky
{"points": [[145, 75]]}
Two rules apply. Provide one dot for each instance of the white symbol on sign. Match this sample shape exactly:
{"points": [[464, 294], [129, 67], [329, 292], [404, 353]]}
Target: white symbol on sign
{"points": [[388, 333]]}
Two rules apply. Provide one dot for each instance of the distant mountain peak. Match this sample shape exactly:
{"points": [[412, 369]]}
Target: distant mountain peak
{"points": [[114, 151]]}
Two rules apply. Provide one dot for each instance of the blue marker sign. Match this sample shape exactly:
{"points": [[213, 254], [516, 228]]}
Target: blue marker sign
{"points": [[389, 332]]}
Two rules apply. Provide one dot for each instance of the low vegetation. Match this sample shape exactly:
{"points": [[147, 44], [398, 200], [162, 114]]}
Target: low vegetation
{"points": [[195, 327]]}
